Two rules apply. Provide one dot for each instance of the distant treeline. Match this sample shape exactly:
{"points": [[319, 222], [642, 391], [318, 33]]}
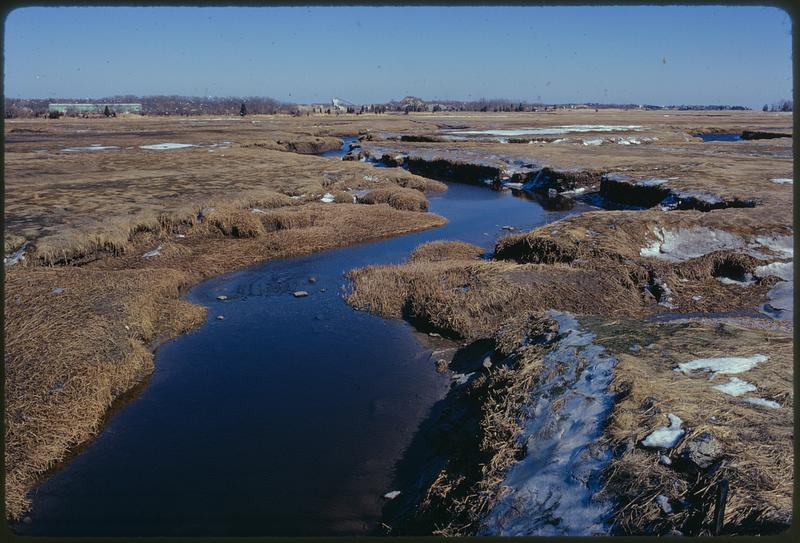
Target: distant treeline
{"points": [[412, 103], [783, 105], [159, 105], [194, 105]]}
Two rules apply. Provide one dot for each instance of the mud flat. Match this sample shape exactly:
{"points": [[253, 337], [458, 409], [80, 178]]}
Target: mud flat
{"points": [[100, 244]]}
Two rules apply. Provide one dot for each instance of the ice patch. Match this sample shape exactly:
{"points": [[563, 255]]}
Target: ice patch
{"points": [[665, 437], [783, 181], [555, 489], [781, 301], [653, 182], [684, 244], [663, 502], [391, 495], [748, 280], [593, 141], [327, 198], [154, 252], [162, 146], [565, 129], [761, 402], [784, 270], [92, 147], [16, 256], [778, 244], [735, 387], [724, 365], [461, 378]]}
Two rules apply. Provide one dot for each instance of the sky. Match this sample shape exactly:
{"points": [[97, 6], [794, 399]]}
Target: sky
{"points": [[648, 54]]}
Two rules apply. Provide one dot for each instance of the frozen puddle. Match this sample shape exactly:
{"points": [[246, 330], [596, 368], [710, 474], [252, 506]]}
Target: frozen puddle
{"points": [[93, 147], [162, 146], [553, 490], [565, 129]]}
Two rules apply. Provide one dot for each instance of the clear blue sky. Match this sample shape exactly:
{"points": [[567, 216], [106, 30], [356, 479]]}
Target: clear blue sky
{"points": [[657, 55]]}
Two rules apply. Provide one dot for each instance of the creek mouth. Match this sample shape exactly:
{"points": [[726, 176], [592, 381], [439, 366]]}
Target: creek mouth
{"points": [[287, 417]]}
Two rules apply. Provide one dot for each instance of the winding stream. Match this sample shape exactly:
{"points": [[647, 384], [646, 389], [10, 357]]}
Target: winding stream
{"points": [[285, 418]]}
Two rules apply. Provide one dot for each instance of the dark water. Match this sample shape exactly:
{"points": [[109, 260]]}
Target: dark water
{"points": [[285, 418], [340, 152], [721, 137]]}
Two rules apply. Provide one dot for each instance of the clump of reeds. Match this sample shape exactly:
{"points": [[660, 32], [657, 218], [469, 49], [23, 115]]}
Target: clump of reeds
{"points": [[398, 198]]}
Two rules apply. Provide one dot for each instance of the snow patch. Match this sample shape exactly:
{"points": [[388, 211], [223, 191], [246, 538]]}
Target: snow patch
{"points": [[665, 437], [327, 198], [723, 365], [783, 181], [154, 252], [461, 378], [93, 147], [781, 301], [748, 280], [687, 243], [663, 502], [778, 244], [735, 387], [593, 141], [784, 270], [162, 146], [761, 402], [16, 256], [564, 129]]}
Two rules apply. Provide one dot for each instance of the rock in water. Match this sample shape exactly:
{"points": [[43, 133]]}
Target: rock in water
{"points": [[300, 294]]}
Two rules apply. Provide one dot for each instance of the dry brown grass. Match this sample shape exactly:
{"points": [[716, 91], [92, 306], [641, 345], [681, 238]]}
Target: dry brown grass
{"points": [[69, 355], [75, 206], [757, 442], [462, 494], [436, 251], [398, 198]]}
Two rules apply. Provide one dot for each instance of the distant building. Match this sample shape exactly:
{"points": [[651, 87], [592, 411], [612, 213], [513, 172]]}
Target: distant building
{"points": [[67, 109]]}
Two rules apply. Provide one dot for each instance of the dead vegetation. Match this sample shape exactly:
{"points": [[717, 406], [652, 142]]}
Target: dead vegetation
{"points": [[398, 198], [436, 251], [70, 354], [755, 443], [469, 484], [213, 208]]}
